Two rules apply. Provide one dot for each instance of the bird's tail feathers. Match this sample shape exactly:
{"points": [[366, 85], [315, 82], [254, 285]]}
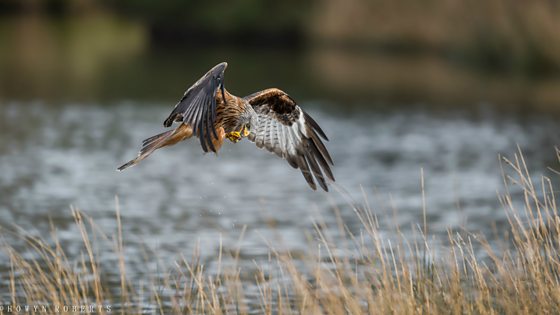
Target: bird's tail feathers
{"points": [[148, 147]]}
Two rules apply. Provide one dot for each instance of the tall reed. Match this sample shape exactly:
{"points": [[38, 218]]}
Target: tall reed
{"points": [[365, 273]]}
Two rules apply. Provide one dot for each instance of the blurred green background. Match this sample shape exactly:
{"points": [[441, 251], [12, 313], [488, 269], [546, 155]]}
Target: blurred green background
{"points": [[436, 52]]}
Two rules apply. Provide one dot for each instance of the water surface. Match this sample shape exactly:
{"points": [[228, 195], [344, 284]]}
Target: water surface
{"points": [[52, 157]]}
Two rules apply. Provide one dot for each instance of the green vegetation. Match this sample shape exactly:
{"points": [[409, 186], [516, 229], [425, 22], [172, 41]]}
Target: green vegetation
{"points": [[497, 35], [218, 20], [402, 277], [509, 36], [445, 52]]}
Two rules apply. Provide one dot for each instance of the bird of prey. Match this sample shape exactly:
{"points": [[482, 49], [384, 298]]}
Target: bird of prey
{"points": [[269, 118]]}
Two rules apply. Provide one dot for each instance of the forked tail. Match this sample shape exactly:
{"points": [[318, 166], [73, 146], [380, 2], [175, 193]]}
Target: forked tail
{"points": [[148, 147]]}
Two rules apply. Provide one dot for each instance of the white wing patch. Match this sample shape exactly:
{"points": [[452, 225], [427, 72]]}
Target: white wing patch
{"points": [[292, 143], [271, 134], [284, 129]]}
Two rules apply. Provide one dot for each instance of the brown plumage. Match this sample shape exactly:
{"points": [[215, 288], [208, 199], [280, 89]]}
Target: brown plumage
{"points": [[269, 118]]}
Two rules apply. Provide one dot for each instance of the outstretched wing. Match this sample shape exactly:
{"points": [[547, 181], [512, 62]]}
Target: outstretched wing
{"points": [[285, 129], [197, 107]]}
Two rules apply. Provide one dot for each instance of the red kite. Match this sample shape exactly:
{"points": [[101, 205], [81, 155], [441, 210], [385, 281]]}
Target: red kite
{"points": [[269, 118]]}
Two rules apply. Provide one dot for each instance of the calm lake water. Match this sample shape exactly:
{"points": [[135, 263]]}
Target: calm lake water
{"points": [[52, 157]]}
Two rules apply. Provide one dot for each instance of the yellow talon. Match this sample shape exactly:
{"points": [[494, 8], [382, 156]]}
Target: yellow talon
{"points": [[234, 136]]}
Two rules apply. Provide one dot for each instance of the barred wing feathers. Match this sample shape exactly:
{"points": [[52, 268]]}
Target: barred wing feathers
{"points": [[197, 107], [286, 130]]}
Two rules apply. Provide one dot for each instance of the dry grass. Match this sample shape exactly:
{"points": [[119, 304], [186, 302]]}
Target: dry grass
{"points": [[379, 276]]}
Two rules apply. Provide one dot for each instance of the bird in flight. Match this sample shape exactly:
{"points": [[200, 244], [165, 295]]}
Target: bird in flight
{"points": [[269, 118]]}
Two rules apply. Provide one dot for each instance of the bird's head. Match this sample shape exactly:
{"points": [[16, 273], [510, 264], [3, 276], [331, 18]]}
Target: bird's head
{"points": [[249, 118]]}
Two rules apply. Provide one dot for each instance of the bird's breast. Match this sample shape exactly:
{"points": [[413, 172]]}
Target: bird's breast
{"points": [[228, 113]]}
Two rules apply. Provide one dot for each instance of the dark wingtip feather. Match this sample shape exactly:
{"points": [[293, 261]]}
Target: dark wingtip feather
{"points": [[321, 160], [126, 165], [304, 168], [169, 121], [210, 129], [212, 111], [315, 126], [317, 172], [205, 137], [291, 162], [321, 147]]}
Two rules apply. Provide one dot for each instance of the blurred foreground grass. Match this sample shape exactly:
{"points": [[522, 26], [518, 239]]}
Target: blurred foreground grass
{"points": [[378, 277]]}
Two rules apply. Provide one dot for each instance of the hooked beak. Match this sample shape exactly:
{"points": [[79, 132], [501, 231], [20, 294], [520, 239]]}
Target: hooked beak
{"points": [[245, 132]]}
